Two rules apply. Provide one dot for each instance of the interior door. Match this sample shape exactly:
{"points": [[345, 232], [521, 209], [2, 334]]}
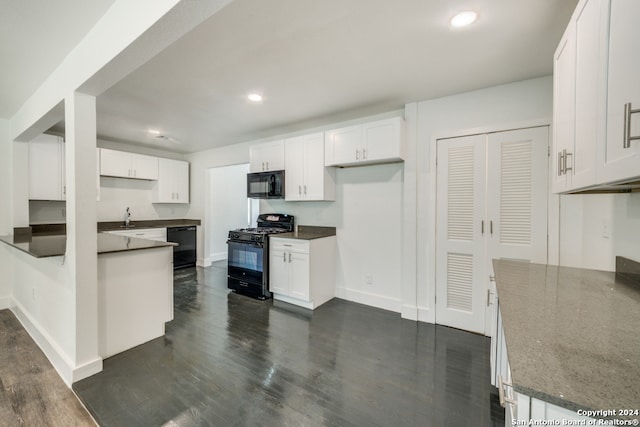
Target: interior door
{"points": [[517, 195], [491, 203], [460, 248]]}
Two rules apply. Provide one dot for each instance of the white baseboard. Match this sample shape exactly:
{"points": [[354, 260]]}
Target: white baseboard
{"points": [[426, 315], [203, 262], [219, 256], [60, 361], [5, 302], [409, 312], [379, 301]]}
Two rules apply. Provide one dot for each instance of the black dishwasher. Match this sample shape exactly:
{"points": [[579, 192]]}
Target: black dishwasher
{"points": [[184, 255]]}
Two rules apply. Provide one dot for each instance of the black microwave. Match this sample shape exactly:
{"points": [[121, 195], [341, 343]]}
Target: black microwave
{"points": [[265, 185]]}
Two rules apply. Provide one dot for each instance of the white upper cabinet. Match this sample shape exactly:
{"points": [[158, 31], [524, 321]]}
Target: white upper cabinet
{"points": [[306, 177], [578, 95], [265, 157], [621, 155], [595, 90], [47, 168], [173, 182], [122, 164], [380, 141]]}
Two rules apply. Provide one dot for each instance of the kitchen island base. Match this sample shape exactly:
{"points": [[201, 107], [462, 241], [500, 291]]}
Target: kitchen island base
{"points": [[135, 297]]}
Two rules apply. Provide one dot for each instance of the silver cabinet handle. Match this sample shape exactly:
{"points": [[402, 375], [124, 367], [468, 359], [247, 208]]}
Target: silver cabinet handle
{"points": [[267, 165], [364, 154], [305, 190], [482, 227], [565, 168], [299, 190], [491, 227], [357, 154], [492, 278], [488, 297], [284, 257], [628, 111], [289, 256], [263, 166], [560, 158]]}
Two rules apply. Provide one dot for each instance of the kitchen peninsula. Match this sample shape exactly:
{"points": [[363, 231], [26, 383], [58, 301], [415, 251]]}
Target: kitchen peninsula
{"points": [[135, 284]]}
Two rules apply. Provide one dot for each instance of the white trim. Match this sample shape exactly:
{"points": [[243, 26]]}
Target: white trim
{"points": [[86, 370], [455, 133], [426, 315], [218, 256], [5, 303], [54, 353], [366, 298], [51, 350], [409, 312], [204, 262]]}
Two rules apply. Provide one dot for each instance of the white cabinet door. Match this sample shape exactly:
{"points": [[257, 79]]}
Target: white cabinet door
{"points": [[181, 170], [622, 155], [278, 271], [299, 275], [144, 167], [382, 140], [460, 252], [589, 94], [46, 168], [268, 156], [294, 164], [343, 146], [121, 164], [564, 70], [115, 163], [172, 185], [307, 178]]}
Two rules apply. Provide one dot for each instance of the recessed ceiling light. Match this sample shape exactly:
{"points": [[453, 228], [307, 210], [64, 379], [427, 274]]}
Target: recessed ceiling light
{"points": [[153, 132], [463, 19], [255, 97]]}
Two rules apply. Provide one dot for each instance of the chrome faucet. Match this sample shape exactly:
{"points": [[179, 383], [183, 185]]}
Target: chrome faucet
{"points": [[127, 217]]}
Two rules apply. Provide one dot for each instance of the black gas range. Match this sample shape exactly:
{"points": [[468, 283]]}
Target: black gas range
{"points": [[248, 260]]}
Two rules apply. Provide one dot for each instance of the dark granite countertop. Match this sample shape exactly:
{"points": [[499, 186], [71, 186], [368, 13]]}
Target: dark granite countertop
{"points": [[308, 232], [42, 246], [572, 334], [152, 223]]}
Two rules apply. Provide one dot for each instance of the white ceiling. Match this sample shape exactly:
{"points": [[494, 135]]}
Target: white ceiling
{"points": [[319, 62], [35, 36]]}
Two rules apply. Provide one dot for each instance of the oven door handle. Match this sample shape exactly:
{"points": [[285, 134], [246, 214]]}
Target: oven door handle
{"points": [[244, 242]]}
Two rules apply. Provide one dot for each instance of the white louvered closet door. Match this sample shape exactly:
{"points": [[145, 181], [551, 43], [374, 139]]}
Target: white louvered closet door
{"points": [[491, 203], [517, 195], [460, 248]]}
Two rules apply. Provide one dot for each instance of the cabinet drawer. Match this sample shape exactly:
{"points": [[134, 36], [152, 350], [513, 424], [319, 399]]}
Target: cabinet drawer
{"points": [[159, 234], [293, 245]]}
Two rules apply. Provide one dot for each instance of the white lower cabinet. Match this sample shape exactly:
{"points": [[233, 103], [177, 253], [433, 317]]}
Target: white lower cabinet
{"points": [[302, 272], [159, 234]]}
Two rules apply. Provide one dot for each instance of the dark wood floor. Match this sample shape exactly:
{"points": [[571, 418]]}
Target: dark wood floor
{"points": [[228, 360], [31, 391]]}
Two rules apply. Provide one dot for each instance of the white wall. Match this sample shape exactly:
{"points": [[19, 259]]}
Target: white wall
{"points": [[5, 213], [228, 206], [367, 214], [597, 227]]}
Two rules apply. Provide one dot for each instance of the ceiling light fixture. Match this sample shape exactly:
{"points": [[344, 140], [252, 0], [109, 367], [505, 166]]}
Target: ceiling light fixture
{"points": [[255, 97], [463, 19]]}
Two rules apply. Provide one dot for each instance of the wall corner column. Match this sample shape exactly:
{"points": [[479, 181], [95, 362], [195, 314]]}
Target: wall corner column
{"points": [[82, 247]]}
